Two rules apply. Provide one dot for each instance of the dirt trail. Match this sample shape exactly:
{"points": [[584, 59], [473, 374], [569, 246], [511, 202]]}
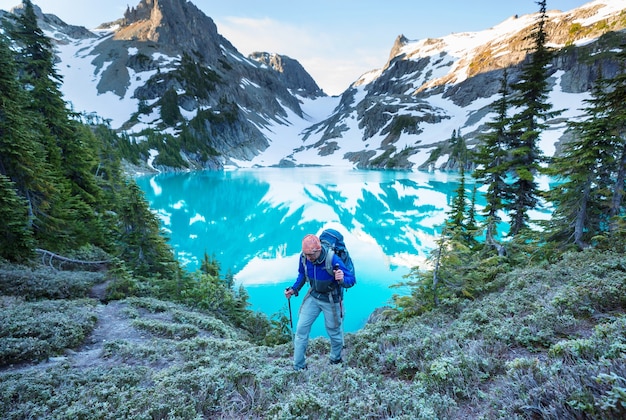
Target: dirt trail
{"points": [[113, 324]]}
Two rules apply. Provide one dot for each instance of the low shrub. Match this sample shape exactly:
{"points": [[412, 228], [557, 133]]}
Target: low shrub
{"points": [[163, 329], [548, 342], [33, 331], [46, 283]]}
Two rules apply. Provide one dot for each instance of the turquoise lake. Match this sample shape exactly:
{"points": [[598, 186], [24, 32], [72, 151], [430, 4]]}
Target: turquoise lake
{"points": [[253, 221]]}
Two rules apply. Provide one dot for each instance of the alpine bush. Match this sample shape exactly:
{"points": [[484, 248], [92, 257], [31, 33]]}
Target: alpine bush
{"points": [[34, 331]]}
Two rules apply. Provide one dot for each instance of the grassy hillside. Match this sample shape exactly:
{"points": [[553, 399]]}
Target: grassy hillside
{"points": [[549, 343]]}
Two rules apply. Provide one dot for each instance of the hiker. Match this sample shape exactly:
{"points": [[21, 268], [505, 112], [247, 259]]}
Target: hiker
{"points": [[324, 295]]}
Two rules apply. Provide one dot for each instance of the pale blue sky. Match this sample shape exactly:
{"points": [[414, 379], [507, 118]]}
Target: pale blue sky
{"points": [[335, 40]]}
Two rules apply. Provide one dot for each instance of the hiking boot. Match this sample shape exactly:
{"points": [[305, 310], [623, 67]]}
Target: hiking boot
{"points": [[336, 362]]}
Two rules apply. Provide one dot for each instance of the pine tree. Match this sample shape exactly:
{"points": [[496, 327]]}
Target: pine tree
{"points": [[458, 208], [532, 110], [579, 200], [210, 266], [614, 101], [461, 223], [458, 149], [592, 167], [70, 151], [170, 112], [68, 175], [34, 61], [143, 244], [22, 157], [112, 186], [16, 237], [490, 158], [471, 224]]}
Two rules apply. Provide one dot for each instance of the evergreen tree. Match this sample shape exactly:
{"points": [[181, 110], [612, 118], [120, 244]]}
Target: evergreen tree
{"points": [[22, 157], [35, 68], [112, 183], [490, 158], [70, 151], [532, 110], [580, 201], [458, 149], [592, 167], [210, 266], [614, 101], [16, 238], [456, 214], [471, 225], [143, 244], [68, 174], [84, 158], [229, 279], [461, 223], [170, 113]]}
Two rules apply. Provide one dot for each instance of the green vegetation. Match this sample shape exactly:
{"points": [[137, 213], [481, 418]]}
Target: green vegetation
{"points": [[531, 111], [455, 148], [194, 137], [530, 325], [170, 113], [546, 340], [402, 123], [63, 187], [201, 79], [384, 158], [593, 169], [34, 331]]}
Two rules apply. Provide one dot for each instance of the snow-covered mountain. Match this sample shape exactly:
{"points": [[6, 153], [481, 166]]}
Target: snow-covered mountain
{"points": [[265, 110], [397, 115]]}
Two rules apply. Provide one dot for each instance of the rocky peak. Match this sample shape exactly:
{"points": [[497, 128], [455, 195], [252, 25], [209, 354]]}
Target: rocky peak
{"points": [[400, 42], [291, 73], [275, 61], [405, 107], [176, 25], [142, 12]]}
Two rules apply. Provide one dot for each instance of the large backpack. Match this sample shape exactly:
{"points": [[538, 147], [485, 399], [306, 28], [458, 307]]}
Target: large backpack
{"points": [[333, 241]]}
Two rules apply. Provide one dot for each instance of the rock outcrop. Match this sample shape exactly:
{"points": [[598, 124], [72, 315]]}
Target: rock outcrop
{"points": [[291, 73]]}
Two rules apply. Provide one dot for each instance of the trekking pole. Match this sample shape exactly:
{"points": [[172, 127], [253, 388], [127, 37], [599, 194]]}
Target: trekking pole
{"points": [[335, 268]]}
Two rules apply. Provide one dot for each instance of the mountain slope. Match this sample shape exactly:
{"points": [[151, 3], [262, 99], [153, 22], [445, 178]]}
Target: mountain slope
{"points": [[162, 71], [397, 115]]}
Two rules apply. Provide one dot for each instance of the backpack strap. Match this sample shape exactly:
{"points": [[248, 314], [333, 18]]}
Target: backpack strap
{"points": [[330, 253]]}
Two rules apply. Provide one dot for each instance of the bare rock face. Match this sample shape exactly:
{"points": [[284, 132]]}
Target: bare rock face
{"points": [[174, 25], [291, 72]]}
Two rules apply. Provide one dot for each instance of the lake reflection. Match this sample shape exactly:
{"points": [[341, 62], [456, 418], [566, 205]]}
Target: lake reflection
{"points": [[253, 221]]}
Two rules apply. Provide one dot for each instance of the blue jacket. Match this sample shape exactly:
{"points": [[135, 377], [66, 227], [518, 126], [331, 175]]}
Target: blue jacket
{"points": [[322, 282]]}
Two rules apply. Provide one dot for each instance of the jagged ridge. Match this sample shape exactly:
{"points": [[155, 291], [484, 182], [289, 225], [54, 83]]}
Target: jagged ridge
{"points": [[249, 110], [429, 88]]}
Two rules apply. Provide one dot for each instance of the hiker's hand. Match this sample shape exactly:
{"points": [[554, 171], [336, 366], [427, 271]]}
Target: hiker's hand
{"points": [[339, 275], [289, 292]]}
